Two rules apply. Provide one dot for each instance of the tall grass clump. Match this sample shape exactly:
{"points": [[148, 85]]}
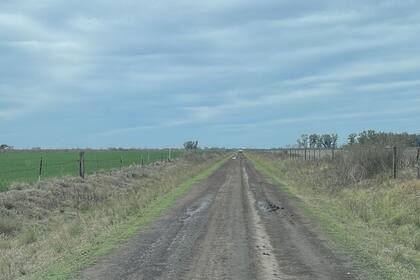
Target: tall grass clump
{"points": [[360, 162]]}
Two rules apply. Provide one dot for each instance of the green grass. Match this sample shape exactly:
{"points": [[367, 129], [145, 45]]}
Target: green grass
{"points": [[23, 166], [82, 257], [377, 224]]}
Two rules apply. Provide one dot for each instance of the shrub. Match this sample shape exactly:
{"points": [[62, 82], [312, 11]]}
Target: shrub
{"points": [[359, 162]]}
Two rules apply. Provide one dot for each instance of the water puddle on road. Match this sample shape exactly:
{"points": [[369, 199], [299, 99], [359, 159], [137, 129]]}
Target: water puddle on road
{"points": [[199, 206], [267, 206]]}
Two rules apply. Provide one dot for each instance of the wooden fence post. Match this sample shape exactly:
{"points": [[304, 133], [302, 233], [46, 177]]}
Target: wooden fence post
{"points": [[305, 154], [394, 162], [40, 170], [332, 152], [418, 163], [169, 154], [121, 161], [82, 165]]}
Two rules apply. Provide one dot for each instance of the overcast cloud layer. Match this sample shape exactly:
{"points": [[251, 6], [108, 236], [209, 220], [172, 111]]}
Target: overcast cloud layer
{"points": [[225, 72]]}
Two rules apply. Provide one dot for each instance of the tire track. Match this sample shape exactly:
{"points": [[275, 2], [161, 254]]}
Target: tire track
{"points": [[232, 226]]}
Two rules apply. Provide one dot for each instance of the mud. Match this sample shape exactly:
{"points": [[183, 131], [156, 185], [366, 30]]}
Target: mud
{"points": [[234, 225]]}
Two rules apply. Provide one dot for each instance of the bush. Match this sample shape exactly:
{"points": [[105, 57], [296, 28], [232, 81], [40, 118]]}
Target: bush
{"points": [[359, 162]]}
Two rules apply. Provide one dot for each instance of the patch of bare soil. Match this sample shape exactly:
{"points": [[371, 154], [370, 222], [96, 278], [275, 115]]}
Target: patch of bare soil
{"points": [[232, 226]]}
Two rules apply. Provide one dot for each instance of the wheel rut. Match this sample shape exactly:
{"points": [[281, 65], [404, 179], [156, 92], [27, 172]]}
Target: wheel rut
{"points": [[234, 225]]}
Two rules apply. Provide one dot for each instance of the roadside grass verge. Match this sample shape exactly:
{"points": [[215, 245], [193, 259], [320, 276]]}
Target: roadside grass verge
{"points": [[55, 228], [376, 221], [104, 243]]}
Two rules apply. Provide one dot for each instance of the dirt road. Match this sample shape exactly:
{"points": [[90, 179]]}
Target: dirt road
{"points": [[234, 225]]}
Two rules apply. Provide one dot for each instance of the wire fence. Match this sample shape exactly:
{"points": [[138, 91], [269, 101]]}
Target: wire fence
{"points": [[31, 166], [401, 162]]}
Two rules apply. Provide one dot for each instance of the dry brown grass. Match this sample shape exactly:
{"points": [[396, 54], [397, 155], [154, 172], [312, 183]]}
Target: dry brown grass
{"points": [[41, 222], [376, 216]]}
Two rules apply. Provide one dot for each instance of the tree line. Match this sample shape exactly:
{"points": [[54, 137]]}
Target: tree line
{"points": [[318, 140], [372, 137], [366, 137]]}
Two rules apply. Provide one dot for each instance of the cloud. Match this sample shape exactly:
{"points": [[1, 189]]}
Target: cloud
{"points": [[362, 115], [124, 68]]}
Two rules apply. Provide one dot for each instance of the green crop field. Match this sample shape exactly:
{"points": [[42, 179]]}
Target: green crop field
{"points": [[23, 166]]}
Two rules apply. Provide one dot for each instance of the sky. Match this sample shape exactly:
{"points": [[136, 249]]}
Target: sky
{"points": [[224, 72]]}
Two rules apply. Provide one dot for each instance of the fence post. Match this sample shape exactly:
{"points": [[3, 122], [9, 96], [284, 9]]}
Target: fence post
{"points": [[418, 163], [314, 155], [82, 165], [121, 161], [305, 154], [394, 162], [332, 152], [169, 154], [40, 170]]}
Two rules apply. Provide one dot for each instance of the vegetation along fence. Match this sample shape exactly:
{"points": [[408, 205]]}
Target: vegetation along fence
{"points": [[397, 161], [31, 166]]}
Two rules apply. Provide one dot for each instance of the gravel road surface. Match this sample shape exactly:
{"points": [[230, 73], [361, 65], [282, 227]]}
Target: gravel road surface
{"points": [[234, 225]]}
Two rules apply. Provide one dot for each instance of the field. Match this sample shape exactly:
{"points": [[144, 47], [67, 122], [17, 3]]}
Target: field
{"points": [[45, 233], [249, 215], [24, 166]]}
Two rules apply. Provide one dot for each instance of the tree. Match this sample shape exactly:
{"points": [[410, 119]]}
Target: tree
{"points": [[319, 143], [326, 140], [313, 140], [191, 145], [368, 137], [5, 147], [352, 138], [334, 138], [303, 141]]}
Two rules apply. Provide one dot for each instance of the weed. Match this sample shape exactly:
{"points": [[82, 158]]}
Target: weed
{"points": [[376, 219], [9, 226], [29, 236]]}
